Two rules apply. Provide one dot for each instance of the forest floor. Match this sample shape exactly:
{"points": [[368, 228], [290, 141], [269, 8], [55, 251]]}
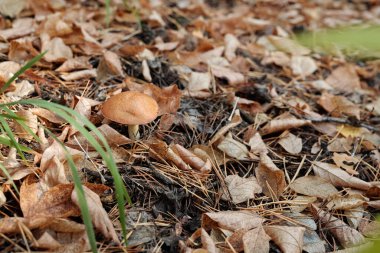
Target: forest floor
{"points": [[261, 144]]}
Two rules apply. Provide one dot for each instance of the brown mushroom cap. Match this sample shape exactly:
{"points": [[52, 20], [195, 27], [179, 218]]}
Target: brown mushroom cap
{"points": [[130, 108]]}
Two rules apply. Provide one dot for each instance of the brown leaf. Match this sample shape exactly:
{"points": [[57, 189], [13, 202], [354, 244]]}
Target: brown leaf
{"points": [[338, 177], [270, 178], [21, 50], [232, 77], [13, 224], [168, 98], [313, 186], [347, 236], [193, 160], [99, 216], [81, 74], [340, 145], [256, 241], [231, 220], [20, 27], [290, 143], [109, 66], [338, 106], [288, 239], [48, 115], [344, 78], [241, 189]]}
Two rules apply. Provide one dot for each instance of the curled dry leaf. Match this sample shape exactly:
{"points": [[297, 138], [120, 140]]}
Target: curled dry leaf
{"points": [[291, 143], [347, 236], [270, 178], [99, 216], [282, 124], [338, 177], [241, 189], [48, 115], [55, 173], [233, 148], [313, 186], [207, 242], [231, 220], [288, 239], [232, 77], [256, 241], [193, 160], [81, 74], [344, 78], [338, 106], [21, 50]]}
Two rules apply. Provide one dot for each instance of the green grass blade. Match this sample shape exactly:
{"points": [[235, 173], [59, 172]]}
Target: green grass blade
{"points": [[108, 12], [5, 171], [13, 141], [28, 65], [7, 142]]}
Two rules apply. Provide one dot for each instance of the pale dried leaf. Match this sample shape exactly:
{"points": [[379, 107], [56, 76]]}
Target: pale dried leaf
{"points": [[288, 239], [12, 8], [257, 144], [344, 78], [7, 70], [300, 203], [48, 115], [57, 51], [340, 145], [207, 242], [338, 177], [199, 81], [109, 66], [232, 43], [312, 243], [76, 63], [232, 77], [291, 143], [20, 27], [233, 148], [303, 66], [374, 107], [347, 236], [355, 216], [55, 173], [231, 220], [270, 178], [313, 186], [346, 162], [279, 58], [256, 241], [241, 189], [345, 203], [12, 224], [22, 90], [99, 216]]}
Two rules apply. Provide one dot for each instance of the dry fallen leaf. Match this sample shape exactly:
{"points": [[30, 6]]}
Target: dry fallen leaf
{"points": [[344, 78], [338, 177], [99, 216], [241, 189], [256, 241], [347, 236], [313, 186], [233, 148], [282, 124], [109, 66], [257, 144], [287, 45], [345, 202], [30, 121], [346, 162], [57, 50], [288, 239], [303, 66], [270, 178], [290, 143], [338, 106], [231, 220]]}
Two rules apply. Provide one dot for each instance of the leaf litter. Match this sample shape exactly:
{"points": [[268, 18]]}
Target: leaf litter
{"points": [[261, 144]]}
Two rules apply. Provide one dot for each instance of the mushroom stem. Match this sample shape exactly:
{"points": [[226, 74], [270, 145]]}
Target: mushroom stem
{"points": [[133, 132]]}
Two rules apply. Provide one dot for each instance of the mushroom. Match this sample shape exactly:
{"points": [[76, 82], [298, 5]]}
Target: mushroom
{"points": [[131, 108]]}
